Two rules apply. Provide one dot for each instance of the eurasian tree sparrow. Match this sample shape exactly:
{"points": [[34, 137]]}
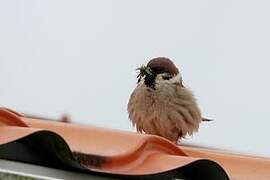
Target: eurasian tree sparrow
{"points": [[161, 105]]}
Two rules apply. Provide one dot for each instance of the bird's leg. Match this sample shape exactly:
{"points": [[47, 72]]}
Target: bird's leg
{"points": [[177, 141]]}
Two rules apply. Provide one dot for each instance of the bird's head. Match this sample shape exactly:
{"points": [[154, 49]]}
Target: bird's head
{"points": [[159, 70]]}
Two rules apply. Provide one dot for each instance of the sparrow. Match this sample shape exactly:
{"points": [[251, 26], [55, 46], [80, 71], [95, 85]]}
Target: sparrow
{"points": [[161, 105]]}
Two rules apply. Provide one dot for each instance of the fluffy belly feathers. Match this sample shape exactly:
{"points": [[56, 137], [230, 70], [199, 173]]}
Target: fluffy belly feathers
{"points": [[167, 111]]}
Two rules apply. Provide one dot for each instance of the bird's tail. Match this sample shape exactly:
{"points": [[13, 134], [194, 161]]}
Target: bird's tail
{"points": [[206, 119]]}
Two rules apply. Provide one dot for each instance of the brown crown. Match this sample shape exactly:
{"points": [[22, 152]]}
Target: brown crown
{"points": [[162, 65]]}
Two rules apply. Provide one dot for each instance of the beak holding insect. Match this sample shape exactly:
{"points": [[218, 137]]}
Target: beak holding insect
{"points": [[143, 71]]}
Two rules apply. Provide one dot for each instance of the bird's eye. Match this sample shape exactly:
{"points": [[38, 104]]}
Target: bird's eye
{"points": [[166, 76]]}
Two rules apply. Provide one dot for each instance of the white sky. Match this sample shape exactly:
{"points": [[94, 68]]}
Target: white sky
{"points": [[80, 57]]}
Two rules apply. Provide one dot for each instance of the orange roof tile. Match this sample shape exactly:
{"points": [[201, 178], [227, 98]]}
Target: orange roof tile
{"points": [[116, 152]]}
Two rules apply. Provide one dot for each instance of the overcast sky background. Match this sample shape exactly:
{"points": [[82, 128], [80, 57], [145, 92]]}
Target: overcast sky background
{"points": [[79, 57]]}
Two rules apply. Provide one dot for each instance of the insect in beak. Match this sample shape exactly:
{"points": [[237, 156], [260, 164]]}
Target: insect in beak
{"points": [[144, 71]]}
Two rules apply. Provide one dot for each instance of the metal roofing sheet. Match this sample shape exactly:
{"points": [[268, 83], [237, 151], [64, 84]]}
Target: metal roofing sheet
{"points": [[115, 153]]}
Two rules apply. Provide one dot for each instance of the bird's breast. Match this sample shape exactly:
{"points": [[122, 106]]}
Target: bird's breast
{"points": [[166, 111]]}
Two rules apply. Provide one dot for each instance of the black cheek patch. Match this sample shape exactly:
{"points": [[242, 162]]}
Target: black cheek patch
{"points": [[150, 81]]}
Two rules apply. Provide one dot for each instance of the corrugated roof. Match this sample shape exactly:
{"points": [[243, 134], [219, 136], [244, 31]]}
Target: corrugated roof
{"points": [[116, 153]]}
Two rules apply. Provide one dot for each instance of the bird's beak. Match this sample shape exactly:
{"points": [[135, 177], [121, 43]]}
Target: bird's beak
{"points": [[144, 71]]}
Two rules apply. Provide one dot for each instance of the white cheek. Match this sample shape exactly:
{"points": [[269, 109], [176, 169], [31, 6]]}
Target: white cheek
{"points": [[175, 79]]}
